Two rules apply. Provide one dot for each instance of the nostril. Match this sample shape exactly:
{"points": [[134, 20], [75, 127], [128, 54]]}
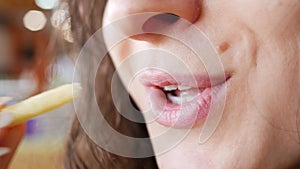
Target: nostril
{"points": [[159, 22], [166, 17]]}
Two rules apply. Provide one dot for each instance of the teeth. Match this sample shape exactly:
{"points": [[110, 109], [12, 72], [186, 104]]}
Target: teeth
{"points": [[181, 94], [170, 88], [183, 87], [184, 97], [181, 99], [175, 87]]}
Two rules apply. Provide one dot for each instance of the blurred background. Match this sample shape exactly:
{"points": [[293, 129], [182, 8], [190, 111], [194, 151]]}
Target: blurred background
{"points": [[35, 55]]}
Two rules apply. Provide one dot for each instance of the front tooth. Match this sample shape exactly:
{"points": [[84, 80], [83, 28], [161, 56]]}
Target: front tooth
{"points": [[182, 99], [174, 99], [170, 88], [184, 87]]}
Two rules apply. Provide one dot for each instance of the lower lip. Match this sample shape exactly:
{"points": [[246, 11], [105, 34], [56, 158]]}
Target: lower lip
{"points": [[185, 115]]}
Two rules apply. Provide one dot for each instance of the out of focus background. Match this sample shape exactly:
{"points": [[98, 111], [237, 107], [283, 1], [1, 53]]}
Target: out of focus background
{"points": [[34, 56]]}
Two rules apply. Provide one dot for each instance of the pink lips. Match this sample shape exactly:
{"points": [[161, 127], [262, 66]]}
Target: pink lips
{"points": [[186, 114]]}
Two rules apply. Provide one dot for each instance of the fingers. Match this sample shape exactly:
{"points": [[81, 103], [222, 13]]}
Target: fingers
{"points": [[4, 100], [5, 119], [10, 137], [4, 151]]}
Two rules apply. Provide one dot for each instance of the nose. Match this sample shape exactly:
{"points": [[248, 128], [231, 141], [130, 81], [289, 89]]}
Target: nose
{"points": [[154, 14], [187, 9]]}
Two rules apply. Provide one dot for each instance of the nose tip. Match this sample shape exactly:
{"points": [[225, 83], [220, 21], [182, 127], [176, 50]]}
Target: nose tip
{"points": [[186, 9], [150, 15]]}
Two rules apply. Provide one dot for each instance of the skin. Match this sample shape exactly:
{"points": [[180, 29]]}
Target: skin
{"points": [[258, 43], [10, 138]]}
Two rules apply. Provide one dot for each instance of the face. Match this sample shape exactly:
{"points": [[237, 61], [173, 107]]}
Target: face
{"points": [[255, 79]]}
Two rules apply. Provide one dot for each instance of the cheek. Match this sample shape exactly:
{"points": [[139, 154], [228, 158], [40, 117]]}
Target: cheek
{"points": [[266, 17], [120, 52], [273, 83], [274, 86], [125, 49], [125, 63]]}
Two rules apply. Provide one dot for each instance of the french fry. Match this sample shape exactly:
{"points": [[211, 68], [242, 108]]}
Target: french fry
{"points": [[42, 103]]}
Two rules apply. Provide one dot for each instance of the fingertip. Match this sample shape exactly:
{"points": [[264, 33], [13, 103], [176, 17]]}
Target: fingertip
{"points": [[4, 151], [5, 119]]}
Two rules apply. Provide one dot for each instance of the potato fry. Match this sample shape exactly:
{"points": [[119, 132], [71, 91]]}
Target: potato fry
{"points": [[42, 103]]}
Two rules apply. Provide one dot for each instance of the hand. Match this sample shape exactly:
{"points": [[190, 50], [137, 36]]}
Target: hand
{"points": [[10, 137]]}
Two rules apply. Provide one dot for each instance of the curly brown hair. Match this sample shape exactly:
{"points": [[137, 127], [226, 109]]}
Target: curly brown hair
{"points": [[81, 151]]}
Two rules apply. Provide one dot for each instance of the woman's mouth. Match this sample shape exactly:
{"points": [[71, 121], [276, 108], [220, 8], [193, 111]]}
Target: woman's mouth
{"points": [[181, 101], [178, 94]]}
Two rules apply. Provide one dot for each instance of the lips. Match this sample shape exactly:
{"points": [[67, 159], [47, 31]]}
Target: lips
{"points": [[181, 101]]}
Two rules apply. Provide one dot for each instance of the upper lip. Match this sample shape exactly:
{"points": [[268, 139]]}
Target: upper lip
{"points": [[158, 78]]}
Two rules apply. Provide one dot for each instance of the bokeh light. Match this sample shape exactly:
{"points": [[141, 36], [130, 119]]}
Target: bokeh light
{"points": [[46, 4], [34, 20]]}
